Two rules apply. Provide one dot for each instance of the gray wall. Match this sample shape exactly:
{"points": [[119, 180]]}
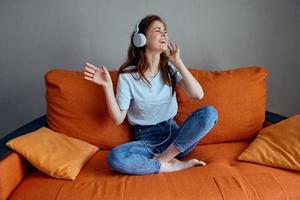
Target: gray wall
{"points": [[37, 36]]}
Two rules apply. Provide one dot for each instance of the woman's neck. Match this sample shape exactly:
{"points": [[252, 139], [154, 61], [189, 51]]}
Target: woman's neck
{"points": [[153, 59]]}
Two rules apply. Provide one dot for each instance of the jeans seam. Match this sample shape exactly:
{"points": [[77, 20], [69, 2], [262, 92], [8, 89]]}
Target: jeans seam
{"points": [[123, 170], [145, 144], [188, 120], [178, 147], [115, 165]]}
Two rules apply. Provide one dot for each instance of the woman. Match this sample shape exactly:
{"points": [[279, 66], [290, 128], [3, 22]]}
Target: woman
{"points": [[146, 94]]}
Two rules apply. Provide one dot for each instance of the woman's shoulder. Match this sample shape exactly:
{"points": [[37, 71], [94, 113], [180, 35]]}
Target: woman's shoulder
{"points": [[126, 74]]}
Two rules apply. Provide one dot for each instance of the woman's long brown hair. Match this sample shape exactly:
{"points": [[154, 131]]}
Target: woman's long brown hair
{"points": [[137, 57]]}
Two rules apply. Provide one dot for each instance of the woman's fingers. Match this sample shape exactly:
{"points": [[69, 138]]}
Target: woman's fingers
{"points": [[170, 47], [89, 74], [91, 66], [173, 47], [87, 69], [88, 78], [104, 69], [90, 69]]}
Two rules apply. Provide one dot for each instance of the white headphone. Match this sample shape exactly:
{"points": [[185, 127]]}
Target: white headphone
{"points": [[139, 39]]}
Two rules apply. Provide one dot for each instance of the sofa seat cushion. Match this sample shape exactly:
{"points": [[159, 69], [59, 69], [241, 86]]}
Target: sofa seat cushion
{"points": [[223, 177]]}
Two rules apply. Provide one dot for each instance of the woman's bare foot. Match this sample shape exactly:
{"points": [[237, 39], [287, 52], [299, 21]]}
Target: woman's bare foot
{"points": [[193, 161], [176, 165]]}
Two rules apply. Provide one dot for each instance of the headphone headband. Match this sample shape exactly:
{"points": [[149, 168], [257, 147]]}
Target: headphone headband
{"points": [[136, 28]]}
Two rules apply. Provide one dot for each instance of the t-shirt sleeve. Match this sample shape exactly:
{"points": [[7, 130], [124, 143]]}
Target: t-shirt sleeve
{"points": [[123, 95]]}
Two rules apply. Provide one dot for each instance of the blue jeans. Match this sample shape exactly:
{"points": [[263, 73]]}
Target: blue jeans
{"points": [[136, 157]]}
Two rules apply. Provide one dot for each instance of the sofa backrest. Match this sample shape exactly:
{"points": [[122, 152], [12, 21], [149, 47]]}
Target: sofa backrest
{"points": [[77, 107], [239, 95]]}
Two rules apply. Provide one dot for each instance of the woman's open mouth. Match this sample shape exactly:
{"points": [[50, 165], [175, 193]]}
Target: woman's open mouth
{"points": [[163, 41]]}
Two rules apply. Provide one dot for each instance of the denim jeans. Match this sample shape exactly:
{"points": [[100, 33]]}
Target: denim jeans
{"points": [[136, 157]]}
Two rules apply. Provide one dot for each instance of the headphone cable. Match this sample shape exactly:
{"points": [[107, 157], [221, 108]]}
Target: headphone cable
{"points": [[159, 143]]}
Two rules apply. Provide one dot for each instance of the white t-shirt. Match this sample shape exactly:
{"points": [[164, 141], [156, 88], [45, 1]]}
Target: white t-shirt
{"points": [[145, 105]]}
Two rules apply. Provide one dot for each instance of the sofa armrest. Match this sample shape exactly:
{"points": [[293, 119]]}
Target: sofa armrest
{"points": [[12, 170], [29, 127], [13, 167]]}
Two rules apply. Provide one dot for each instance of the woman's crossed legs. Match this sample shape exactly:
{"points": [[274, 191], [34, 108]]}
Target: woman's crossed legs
{"points": [[136, 157]]}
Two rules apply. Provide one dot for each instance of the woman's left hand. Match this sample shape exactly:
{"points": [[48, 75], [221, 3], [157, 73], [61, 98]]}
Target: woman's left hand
{"points": [[173, 53]]}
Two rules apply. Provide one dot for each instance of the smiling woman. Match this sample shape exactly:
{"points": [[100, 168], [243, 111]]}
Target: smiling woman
{"points": [[146, 94]]}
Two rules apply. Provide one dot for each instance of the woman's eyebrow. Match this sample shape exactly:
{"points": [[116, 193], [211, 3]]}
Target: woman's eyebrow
{"points": [[159, 28]]}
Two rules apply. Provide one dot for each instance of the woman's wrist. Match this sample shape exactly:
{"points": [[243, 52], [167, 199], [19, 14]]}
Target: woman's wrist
{"points": [[108, 87], [177, 62]]}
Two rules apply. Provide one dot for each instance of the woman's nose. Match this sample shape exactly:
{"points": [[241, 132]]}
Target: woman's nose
{"points": [[163, 34]]}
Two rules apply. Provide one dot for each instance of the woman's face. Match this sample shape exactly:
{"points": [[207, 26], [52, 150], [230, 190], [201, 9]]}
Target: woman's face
{"points": [[157, 38]]}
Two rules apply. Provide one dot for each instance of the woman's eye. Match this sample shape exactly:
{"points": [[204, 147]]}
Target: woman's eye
{"points": [[165, 32]]}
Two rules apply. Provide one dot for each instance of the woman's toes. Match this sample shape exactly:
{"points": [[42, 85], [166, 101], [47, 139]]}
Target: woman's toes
{"points": [[202, 163], [197, 162]]}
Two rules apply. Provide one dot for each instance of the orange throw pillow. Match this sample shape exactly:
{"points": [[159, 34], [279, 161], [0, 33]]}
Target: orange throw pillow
{"points": [[53, 153], [77, 107], [239, 95], [277, 145]]}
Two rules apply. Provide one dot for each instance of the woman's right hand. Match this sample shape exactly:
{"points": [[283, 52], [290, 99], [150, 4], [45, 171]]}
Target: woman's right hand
{"points": [[98, 76]]}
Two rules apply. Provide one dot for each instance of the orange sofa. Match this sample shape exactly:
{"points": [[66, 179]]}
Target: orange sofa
{"points": [[78, 108]]}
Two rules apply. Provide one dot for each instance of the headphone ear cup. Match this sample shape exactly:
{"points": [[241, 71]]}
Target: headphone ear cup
{"points": [[139, 40]]}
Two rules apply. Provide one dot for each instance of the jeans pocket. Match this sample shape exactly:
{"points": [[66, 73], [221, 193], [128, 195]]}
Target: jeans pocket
{"points": [[142, 130], [149, 133]]}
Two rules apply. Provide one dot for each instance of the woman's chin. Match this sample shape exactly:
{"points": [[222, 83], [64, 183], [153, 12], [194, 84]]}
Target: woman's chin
{"points": [[160, 49], [163, 49]]}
